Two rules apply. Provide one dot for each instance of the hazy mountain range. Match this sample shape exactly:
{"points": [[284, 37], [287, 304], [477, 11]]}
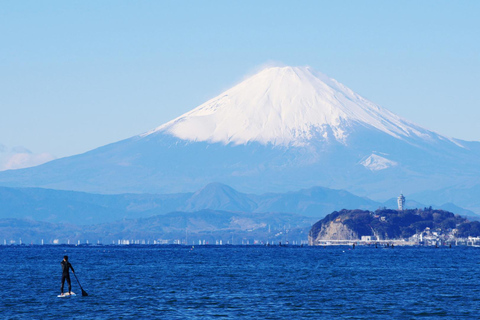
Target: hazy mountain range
{"points": [[215, 212], [59, 206], [82, 208], [211, 226]]}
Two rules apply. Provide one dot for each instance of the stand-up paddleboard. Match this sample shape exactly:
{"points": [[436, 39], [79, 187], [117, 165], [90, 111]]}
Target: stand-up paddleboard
{"points": [[65, 295]]}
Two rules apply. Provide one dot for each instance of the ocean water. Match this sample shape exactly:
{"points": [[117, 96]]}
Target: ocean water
{"points": [[242, 282]]}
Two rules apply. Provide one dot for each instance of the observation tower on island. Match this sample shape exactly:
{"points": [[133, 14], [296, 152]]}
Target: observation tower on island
{"points": [[401, 202]]}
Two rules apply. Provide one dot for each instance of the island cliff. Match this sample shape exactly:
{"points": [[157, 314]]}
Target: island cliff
{"points": [[386, 224]]}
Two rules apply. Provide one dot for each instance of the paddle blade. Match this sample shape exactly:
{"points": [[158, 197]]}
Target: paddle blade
{"points": [[84, 294]]}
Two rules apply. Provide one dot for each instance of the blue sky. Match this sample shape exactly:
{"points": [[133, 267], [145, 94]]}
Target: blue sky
{"points": [[76, 75]]}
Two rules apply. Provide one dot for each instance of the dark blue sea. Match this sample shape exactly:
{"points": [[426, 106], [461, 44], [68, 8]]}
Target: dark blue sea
{"points": [[242, 282]]}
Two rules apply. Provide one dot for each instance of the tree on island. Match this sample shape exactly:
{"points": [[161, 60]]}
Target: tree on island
{"points": [[395, 224]]}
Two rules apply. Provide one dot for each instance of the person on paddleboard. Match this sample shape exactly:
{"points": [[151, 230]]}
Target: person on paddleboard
{"points": [[66, 266]]}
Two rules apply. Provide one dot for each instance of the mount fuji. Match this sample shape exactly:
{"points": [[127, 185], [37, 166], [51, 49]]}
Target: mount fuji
{"points": [[284, 128]]}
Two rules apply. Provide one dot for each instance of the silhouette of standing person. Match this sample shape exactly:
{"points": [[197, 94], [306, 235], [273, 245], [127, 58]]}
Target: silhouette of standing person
{"points": [[66, 266]]}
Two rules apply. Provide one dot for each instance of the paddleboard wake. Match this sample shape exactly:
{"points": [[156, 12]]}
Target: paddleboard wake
{"points": [[65, 295]]}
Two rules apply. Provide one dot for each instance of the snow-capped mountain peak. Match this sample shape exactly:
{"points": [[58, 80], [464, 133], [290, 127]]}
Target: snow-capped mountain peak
{"points": [[280, 129], [285, 106]]}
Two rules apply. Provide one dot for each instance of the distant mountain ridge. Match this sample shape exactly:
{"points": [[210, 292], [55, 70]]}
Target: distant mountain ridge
{"points": [[83, 208], [205, 226]]}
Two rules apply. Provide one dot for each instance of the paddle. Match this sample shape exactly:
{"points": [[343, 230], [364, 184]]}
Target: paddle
{"points": [[84, 293]]}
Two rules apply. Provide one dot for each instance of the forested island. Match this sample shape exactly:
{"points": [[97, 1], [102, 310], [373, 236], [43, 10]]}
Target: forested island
{"points": [[422, 226]]}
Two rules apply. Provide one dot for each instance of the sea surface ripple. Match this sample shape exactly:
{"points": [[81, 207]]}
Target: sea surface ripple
{"points": [[242, 282]]}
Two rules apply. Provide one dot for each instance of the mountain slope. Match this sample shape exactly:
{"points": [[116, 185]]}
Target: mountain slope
{"points": [[466, 194], [219, 197], [312, 202], [282, 129], [286, 106], [59, 206]]}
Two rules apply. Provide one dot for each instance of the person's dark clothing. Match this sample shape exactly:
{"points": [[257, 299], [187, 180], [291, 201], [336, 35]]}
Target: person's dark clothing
{"points": [[66, 274]]}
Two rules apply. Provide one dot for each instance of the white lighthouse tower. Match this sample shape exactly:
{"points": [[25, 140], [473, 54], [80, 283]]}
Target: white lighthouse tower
{"points": [[401, 202]]}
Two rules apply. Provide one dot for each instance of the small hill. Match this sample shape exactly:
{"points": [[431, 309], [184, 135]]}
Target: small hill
{"points": [[219, 197], [386, 224]]}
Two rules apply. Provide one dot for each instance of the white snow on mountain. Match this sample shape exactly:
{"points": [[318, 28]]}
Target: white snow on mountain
{"points": [[286, 106], [280, 129], [375, 163]]}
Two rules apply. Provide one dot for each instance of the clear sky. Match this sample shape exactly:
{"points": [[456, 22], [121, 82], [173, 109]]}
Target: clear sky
{"points": [[76, 75]]}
